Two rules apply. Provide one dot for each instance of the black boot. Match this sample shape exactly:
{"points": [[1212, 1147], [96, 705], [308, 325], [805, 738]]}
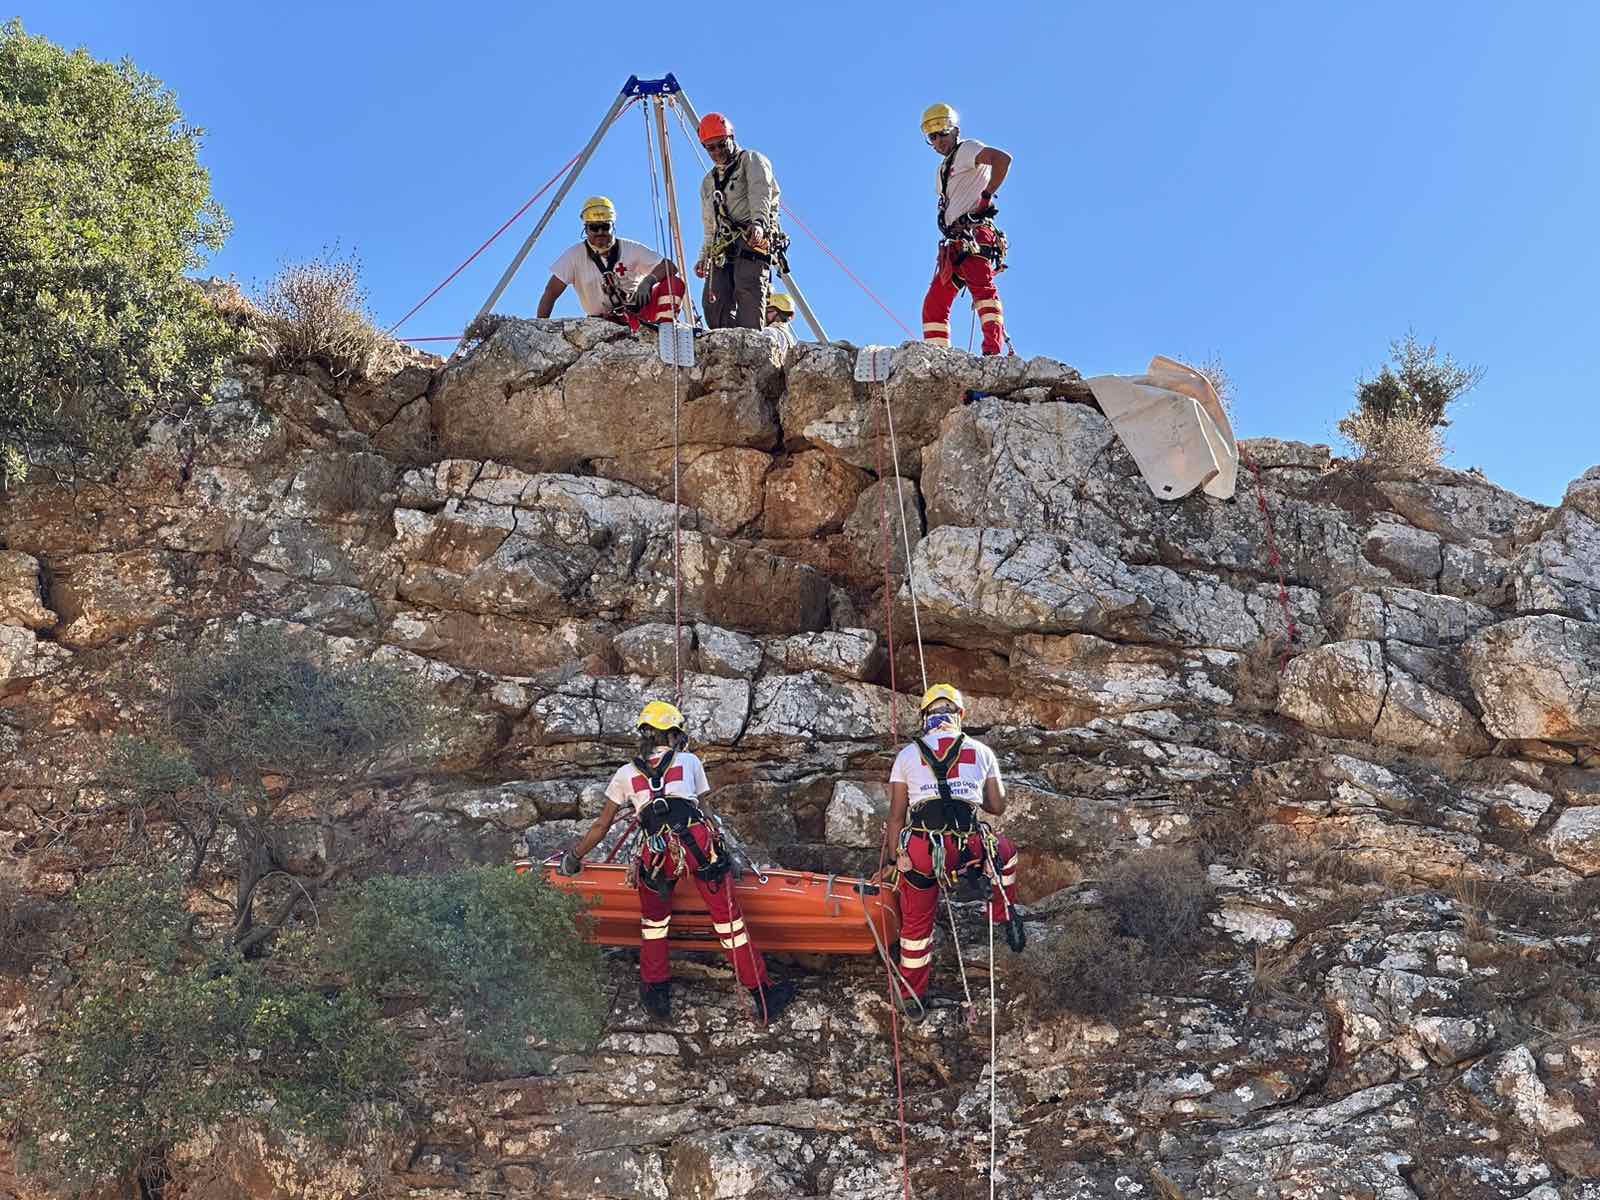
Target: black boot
{"points": [[656, 998], [1016, 934], [772, 1000]]}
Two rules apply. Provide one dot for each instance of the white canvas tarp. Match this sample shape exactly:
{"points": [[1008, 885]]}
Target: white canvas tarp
{"points": [[1172, 423]]}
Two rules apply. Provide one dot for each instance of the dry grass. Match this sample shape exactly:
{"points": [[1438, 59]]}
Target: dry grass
{"points": [[1086, 968], [1403, 440], [1160, 897], [315, 312], [482, 329]]}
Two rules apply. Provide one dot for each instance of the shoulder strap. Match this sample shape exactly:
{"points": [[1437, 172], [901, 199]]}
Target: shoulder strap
{"points": [[941, 766], [607, 267], [657, 773], [720, 182]]}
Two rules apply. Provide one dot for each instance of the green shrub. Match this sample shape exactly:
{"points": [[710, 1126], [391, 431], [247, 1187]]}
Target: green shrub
{"points": [[170, 1032], [103, 207], [1399, 414], [316, 313], [267, 705], [501, 948]]}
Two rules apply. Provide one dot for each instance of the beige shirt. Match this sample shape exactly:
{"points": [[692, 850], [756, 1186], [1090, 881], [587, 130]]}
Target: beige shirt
{"points": [[752, 195]]}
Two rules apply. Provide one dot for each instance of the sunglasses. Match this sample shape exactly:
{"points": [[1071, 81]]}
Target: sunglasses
{"points": [[720, 144], [942, 133], [597, 226]]}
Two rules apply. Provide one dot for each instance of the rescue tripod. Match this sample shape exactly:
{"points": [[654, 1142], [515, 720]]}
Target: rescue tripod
{"points": [[659, 94]]}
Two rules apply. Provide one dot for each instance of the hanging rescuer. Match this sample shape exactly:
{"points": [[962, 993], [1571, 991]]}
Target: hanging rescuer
{"points": [[739, 211], [616, 279], [972, 250], [937, 787], [663, 787]]}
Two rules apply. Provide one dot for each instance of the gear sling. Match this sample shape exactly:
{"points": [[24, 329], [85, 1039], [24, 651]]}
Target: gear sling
{"points": [[667, 815]]}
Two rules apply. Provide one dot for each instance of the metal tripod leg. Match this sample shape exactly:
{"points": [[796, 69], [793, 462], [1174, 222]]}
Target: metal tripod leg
{"points": [[682, 99], [606, 122]]}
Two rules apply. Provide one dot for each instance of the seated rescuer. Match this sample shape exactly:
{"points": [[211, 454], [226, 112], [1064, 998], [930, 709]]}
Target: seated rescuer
{"points": [[780, 312], [663, 786], [617, 280], [937, 785]]}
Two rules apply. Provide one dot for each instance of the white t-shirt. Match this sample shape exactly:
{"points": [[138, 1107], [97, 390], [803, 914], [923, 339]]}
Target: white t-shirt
{"points": [[575, 269], [975, 764], [968, 179], [686, 777]]}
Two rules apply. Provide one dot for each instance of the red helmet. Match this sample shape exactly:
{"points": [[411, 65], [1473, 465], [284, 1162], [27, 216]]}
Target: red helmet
{"points": [[714, 126]]}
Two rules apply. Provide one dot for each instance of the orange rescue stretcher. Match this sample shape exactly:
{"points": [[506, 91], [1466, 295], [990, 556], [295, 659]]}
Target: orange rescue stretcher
{"points": [[787, 912]]}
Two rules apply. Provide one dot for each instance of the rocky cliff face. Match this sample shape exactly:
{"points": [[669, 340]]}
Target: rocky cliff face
{"points": [[1396, 994]]}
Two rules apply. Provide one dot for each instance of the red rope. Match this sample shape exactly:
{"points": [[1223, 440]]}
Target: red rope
{"points": [[514, 218], [1274, 559], [883, 845], [849, 272]]}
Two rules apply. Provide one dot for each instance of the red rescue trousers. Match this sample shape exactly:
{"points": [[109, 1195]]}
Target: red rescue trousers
{"points": [[655, 911], [919, 905], [663, 304], [977, 272]]}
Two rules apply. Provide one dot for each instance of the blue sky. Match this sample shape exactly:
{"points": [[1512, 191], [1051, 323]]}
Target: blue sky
{"points": [[1285, 186]]}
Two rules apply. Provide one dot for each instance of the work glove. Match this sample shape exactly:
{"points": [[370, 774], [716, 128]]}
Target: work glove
{"points": [[641, 294], [571, 864], [700, 268], [757, 240]]}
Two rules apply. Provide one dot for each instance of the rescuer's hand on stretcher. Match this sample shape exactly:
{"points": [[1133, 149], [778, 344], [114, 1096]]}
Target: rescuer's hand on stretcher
{"points": [[571, 864]]}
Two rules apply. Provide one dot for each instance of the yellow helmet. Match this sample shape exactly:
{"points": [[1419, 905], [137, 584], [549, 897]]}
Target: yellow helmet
{"points": [[939, 118], [942, 691], [781, 302], [658, 714], [599, 208]]}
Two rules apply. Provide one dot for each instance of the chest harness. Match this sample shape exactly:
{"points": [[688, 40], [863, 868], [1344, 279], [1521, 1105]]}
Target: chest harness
{"points": [[667, 821], [731, 233], [943, 818], [619, 299], [960, 236]]}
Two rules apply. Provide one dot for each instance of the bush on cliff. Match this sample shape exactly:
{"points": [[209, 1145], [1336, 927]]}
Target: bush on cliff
{"points": [[258, 743], [316, 313], [103, 207], [1399, 415], [169, 1031], [496, 947]]}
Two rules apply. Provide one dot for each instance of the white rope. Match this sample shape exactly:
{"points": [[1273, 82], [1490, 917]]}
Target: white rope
{"points": [[955, 939], [994, 1066], [905, 535]]}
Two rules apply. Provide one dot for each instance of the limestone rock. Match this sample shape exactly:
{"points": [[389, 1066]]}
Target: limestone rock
{"points": [[607, 708], [23, 654], [1346, 689], [865, 526], [524, 397], [814, 705], [726, 652], [21, 602], [102, 597], [727, 486], [1561, 571], [1536, 677], [850, 653], [1463, 507], [1103, 677], [647, 649], [1412, 555], [1574, 840], [1025, 466], [813, 493], [503, 645], [1407, 615], [857, 813]]}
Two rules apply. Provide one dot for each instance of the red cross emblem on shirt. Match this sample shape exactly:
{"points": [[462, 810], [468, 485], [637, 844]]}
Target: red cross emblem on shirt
{"points": [[969, 757], [642, 784]]}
